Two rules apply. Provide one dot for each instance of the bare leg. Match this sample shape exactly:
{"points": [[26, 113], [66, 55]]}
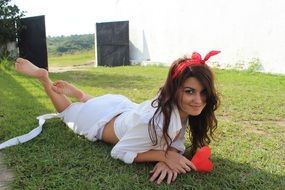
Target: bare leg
{"points": [[63, 87], [25, 67]]}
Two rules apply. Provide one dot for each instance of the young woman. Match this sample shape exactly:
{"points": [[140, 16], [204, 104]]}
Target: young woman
{"points": [[151, 131]]}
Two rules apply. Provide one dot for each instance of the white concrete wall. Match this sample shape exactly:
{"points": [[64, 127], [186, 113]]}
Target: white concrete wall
{"points": [[163, 30], [11, 47]]}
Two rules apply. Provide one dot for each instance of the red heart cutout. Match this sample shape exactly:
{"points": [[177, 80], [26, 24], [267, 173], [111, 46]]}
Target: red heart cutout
{"points": [[201, 160]]}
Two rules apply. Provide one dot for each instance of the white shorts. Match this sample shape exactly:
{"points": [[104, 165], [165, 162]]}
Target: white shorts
{"points": [[89, 118]]}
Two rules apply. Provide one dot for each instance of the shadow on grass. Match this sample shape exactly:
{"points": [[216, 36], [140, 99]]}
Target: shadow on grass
{"points": [[226, 175], [18, 106], [63, 160], [233, 175]]}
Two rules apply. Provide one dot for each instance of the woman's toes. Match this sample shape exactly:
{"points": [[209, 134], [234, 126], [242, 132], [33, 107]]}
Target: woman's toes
{"points": [[56, 89]]}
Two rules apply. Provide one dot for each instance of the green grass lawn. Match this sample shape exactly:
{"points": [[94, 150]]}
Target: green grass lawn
{"points": [[248, 152], [76, 58]]}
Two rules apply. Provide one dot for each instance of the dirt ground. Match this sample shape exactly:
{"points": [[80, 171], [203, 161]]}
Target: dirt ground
{"points": [[59, 69], [6, 175]]}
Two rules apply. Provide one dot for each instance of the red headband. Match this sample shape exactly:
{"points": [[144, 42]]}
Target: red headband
{"points": [[194, 60]]}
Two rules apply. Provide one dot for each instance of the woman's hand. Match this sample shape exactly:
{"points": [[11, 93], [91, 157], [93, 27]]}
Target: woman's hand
{"points": [[161, 171], [178, 162]]}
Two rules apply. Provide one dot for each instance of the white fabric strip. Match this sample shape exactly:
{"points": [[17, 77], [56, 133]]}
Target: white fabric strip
{"points": [[29, 136]]}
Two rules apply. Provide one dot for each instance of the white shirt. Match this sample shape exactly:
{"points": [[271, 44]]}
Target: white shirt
{"points": [[135, 138]]}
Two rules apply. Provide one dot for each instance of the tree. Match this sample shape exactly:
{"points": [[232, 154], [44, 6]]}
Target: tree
{"points": [[9, 16]]}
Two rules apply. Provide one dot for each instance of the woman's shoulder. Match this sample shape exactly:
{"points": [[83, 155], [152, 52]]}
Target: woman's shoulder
{"points": [[145, 109]]}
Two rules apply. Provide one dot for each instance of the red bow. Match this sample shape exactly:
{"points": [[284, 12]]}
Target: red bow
{"points": [[195, 59], [201, 160]]}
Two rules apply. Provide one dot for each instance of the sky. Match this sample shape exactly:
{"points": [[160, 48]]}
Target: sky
{"points": [[66, 17]]}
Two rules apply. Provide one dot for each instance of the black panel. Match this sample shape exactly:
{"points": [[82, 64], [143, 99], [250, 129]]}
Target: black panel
{"points": [[112, 43], [113, 55], [32, 41]]}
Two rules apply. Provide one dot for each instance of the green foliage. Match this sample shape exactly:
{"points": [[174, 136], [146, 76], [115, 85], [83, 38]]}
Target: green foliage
{"points": [[251, 66], [254, 65], [9, 16], [69, 44], [6, 62]]}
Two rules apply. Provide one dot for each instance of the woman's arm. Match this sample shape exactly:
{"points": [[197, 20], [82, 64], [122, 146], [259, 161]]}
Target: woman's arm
{"points": [[134, 147], [174, 160], [150, 156], [153, 155]]}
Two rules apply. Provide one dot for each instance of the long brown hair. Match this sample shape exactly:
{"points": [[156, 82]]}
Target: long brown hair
{"points": [[168, 96]]}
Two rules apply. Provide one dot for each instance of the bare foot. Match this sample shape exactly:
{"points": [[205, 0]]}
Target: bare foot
{"points": [[24, 66], [63, 87]]}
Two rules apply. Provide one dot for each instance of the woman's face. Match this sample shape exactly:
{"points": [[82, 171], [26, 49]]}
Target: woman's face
{"points": [[192, 97]]}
